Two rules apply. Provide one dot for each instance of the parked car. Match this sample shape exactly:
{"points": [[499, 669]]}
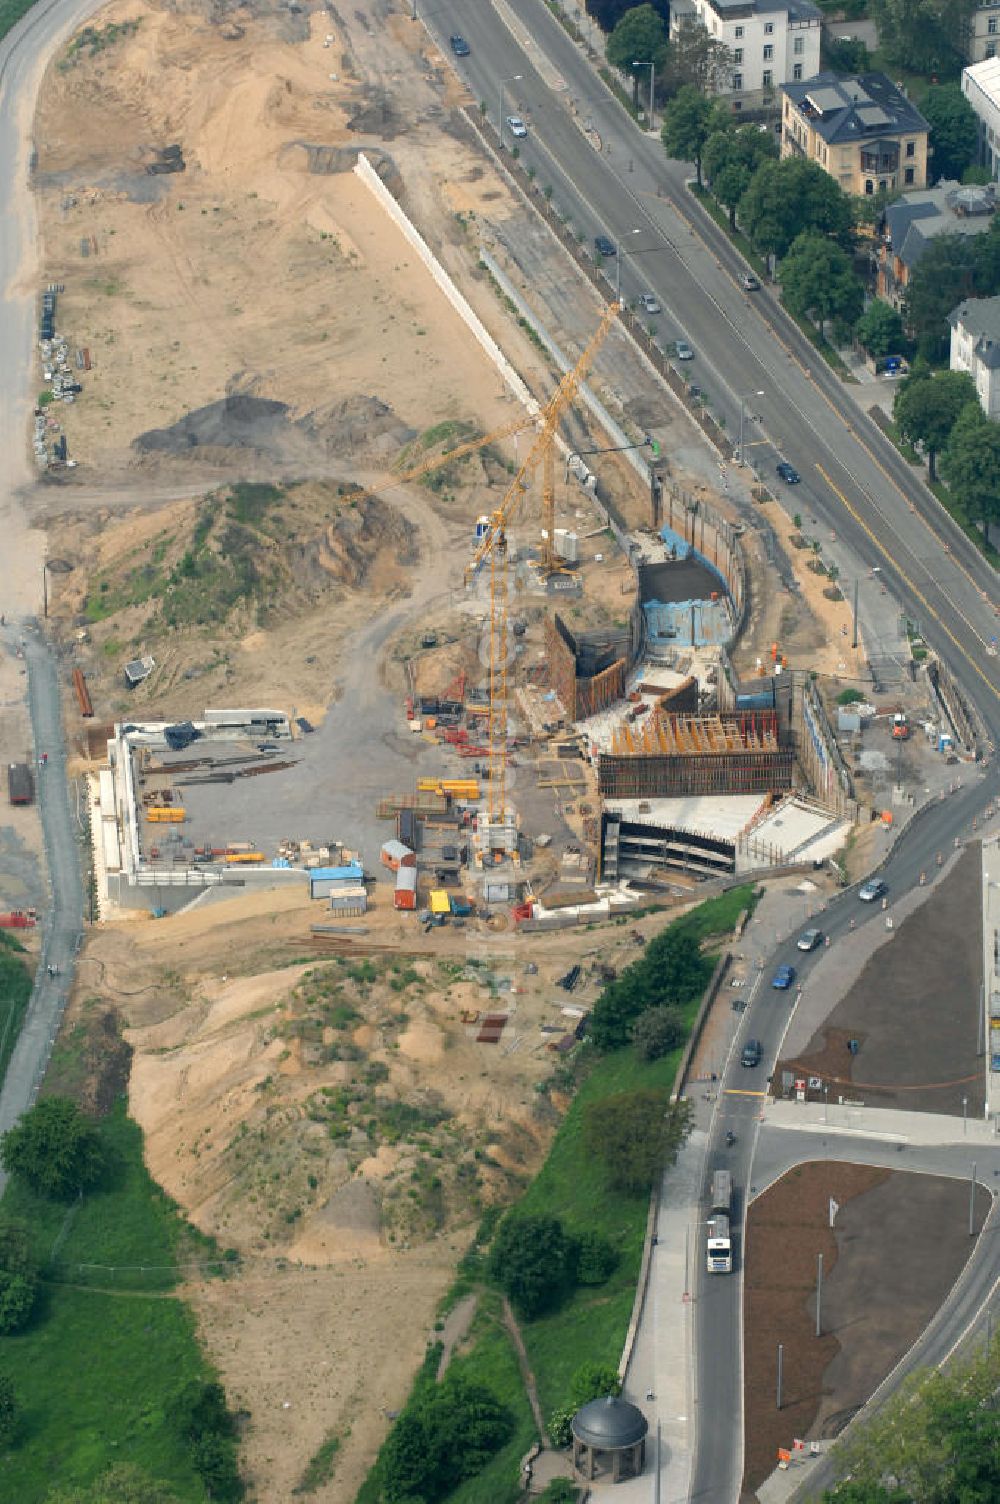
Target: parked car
{"points": [[872, 889], [516, 126], [783, 978], [752, 1053], [809, 939], [605, 246], [788, 473], [683, 350], [749, 282], [649, 303], [460, 46]]}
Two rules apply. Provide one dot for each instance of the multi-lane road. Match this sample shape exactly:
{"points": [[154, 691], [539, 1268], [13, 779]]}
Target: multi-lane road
{"points": [[611, 179], [853, 481]]}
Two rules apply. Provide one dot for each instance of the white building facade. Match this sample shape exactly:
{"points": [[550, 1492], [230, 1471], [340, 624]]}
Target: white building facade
{"points": [[770, 42], [982, 37], [975, 347], [981, 87]]}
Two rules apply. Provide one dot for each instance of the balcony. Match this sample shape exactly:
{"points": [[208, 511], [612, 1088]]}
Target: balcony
{"points": [[880, 160]]}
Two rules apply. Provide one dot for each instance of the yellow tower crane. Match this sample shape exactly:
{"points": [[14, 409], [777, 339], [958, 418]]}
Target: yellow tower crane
{"points": [[493, 546]]}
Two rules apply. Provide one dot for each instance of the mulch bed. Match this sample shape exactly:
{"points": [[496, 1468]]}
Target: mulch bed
{"points": [[882, 1282], [914, 1011]]}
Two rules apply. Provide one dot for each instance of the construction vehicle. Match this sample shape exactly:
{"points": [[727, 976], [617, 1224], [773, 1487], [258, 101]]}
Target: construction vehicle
{"points": [[492, 547], [719, 1257], [900, 727], [19, 919]]}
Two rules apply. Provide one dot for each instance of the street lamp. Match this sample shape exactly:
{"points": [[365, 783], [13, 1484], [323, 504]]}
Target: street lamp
{"points": [[652, 76], [515, 78], [744, 398]]}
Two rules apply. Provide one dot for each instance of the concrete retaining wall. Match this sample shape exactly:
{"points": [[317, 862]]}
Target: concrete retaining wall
{"points": [[366, 172]]}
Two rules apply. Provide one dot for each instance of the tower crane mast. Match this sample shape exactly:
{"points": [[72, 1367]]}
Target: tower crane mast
{"points": [[493, 547]]}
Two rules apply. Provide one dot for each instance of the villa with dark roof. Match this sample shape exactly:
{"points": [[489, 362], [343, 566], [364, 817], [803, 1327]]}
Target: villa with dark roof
{"points": [[863, 131], [916, 219]]}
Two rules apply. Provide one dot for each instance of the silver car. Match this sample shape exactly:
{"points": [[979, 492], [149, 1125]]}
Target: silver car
{"points": [[684, 350], [516, 126], [649, 303]]}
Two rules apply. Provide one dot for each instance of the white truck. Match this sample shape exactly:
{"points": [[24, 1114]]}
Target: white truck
{"points": [[720, 1245]]}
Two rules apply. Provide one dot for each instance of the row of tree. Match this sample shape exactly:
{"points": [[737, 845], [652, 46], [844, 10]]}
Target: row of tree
{"points": [[940, 412]]}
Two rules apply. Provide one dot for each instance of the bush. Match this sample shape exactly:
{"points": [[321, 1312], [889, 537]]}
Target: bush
{"points": [[200, 1417], [18, 1278], [636, 1135], [592, 1381], [532, 1260], [54, 1148], [596, 1260], [671, 970], [10, 1410], [658, 1031], [447, 1433]]}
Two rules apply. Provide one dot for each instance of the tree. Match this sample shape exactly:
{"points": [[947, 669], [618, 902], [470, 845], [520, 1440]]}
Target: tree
{"points": [[922, 35], [954, 129], [18, 1278], [658, 1031], [54, 1149], [937, 1440], [818, 281], [639, 37], [845, 54], [688, 121], [532, 1260], [786, 198], [591, 1381], [944, 275], [986, 261], [729, 161], [927, 407], [636, 1135], [447, 1433], [123, 1484], [10, 1410], [672, 970], [880, 330], [696, 59], [971, 464], [607, 13], [595, 1259]]}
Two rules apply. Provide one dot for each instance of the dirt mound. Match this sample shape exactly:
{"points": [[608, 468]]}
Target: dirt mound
{"points": [[237, 422]]}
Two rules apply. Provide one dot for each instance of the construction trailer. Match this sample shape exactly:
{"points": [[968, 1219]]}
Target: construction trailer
{"points": [[20, 783], [396, 854], [324, 882], [405, 896], [671, 756]]}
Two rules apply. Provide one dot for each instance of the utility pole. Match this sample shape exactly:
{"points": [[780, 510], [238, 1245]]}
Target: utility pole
{"points": [[854, 634], [972, 1202], [819, 1296], [781, 1359]]}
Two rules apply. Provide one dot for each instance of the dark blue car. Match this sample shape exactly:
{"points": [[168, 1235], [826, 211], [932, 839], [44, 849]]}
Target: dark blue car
{"points": [[783, 978]]}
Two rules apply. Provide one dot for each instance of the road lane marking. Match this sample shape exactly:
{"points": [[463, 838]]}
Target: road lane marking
{"points": [[739, 1091], [880, 546]]}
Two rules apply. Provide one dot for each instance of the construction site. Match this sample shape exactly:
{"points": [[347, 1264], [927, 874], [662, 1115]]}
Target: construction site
{"points": [[370, 461]]}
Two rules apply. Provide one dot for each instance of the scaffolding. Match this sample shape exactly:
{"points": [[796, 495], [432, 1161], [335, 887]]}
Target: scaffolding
{"points": [[674, 755]]}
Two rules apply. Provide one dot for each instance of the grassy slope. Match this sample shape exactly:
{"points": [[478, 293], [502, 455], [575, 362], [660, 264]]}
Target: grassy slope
{"points": [[591, 1326], [11, 12], [95, 1368], [15, 990]]}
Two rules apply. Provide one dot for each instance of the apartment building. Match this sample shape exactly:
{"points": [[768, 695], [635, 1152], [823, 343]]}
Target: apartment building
{"points": [[771, 42], [981, 87], [982, 32], [863, 131], [975, 347]]}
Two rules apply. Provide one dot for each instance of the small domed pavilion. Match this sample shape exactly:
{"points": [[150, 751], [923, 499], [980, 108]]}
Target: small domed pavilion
{"points": [[609, 1437]]}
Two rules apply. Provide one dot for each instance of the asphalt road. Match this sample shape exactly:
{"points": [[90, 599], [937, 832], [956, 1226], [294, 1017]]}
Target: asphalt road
{"points": [[63, 920], [853, 481]]}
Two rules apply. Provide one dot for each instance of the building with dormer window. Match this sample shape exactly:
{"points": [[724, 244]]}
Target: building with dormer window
{"points": [[863, 131]]}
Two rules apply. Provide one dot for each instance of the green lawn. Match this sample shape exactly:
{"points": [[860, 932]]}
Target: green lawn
{"points": [[95, 1368], [11, 12], [493, 1361], [15, 990]]}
